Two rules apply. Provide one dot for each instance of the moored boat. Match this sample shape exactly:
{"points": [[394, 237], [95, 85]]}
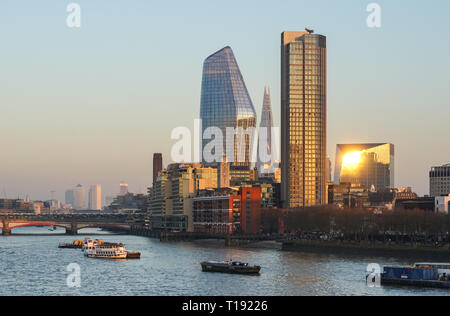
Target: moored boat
{"points": [[435, 275], [133, 255], [77, 244], [232, 267]]}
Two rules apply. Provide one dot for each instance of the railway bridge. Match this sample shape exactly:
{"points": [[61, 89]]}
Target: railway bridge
{"points": [[72, 223]]}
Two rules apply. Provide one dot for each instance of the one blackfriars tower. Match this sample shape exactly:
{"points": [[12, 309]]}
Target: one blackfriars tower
{"points": [[225, 103]]}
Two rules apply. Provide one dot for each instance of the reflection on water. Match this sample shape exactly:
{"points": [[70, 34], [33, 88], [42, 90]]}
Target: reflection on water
{"points": [[33, 265]]}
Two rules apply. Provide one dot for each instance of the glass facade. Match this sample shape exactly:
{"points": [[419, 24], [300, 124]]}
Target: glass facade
{"points": [[303, 119], [225, 103], [371, 165], [265, 167]]}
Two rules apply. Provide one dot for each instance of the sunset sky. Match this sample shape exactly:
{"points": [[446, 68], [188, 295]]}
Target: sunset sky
{"points": [[91, 105]]}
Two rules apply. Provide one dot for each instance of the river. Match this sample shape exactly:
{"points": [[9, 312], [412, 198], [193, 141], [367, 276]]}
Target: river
{"points": [[32, 264]]}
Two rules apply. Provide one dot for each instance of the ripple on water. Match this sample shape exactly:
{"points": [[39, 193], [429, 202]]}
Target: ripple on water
{"points": [[33, 265]]}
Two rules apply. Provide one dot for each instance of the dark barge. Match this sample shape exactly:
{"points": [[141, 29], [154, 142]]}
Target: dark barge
{"points": [[230, 267]]}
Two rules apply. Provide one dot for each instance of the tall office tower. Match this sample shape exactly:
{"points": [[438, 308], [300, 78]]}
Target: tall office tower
{"points": [[123, 188], [69, 197], [225, 103], [157, 166], [440, 180], [95, 197], [303, 118], [371, 165], [78, 198], [264, 166]]}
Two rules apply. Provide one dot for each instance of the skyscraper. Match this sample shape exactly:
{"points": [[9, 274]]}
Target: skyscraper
{"points": [[95, 197], [157, 166], [123, 188], [371, 165], [225, 103], [265, 167], [70, 197], [303, 118], [79, 198]]}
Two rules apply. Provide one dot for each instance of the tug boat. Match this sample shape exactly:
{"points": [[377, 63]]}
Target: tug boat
{"points": [[107, 251], [232, 267]]}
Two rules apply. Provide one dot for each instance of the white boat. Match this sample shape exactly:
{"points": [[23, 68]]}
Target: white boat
{"points": [[89, 244], [110, 251]]}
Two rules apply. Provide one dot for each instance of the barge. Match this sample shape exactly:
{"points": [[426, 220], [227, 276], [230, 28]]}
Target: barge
{"points": [[133, 255], [232, 267], [432, 275], [77, 244]]}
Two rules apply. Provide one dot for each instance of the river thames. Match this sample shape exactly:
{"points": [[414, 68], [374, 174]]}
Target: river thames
{"points": [[33, 265]]}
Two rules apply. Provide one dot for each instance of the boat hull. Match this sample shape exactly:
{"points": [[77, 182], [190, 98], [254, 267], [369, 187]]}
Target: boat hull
{"points": [[416, 283], [224, 268]]}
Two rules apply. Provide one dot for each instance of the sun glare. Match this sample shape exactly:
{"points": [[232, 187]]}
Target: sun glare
{"points": [[352, 160]]}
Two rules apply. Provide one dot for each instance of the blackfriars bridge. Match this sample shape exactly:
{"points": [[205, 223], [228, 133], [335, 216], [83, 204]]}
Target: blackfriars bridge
{"points": [[71, 222]]}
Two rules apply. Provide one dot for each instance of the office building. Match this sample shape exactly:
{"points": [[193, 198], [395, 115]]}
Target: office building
{"points": [[123, 188], [79, 201], [170, 198], [225, 103], [440, 180], [348, 195], [442, 204], [69, 197], [303, 118], [227, 211], [95, 197], [372, 165]]}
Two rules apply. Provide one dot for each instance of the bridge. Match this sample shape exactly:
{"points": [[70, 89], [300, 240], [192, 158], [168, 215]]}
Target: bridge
{"points": [[72, 223]]}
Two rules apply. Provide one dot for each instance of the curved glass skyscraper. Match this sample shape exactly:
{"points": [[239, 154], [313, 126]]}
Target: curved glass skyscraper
{"points": [[225, 103]]}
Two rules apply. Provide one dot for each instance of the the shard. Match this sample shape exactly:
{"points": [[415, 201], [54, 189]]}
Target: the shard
{"points": [[265, 166]]}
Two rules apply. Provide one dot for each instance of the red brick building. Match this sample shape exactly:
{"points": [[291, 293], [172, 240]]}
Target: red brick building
{"points": [[227, 211]]}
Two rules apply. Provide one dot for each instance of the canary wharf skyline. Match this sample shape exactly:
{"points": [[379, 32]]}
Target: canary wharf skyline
{"points": [[91, 105]]}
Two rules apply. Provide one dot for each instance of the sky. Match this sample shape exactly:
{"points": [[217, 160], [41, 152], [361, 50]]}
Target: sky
{"points": [[92, 104]]}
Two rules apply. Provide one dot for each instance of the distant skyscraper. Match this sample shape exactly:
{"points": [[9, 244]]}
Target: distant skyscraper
{"points": [[95, 197], [371, 165], [157, 166], [123, 188], [225, 102], [69, 197], [265, 167], [79, 198], [440, 180], [303, 118]]}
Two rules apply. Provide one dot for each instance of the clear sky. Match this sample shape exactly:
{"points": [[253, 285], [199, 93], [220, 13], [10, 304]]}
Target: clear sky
{"points": [[91, 105]]}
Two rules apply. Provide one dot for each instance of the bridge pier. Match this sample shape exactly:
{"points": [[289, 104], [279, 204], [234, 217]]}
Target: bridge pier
{"points": [[6, 231], [73, 230]]}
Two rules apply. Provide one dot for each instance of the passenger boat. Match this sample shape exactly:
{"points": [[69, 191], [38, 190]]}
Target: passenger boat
{"points": [[435, 275], [233, 267], [108, 251]]}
